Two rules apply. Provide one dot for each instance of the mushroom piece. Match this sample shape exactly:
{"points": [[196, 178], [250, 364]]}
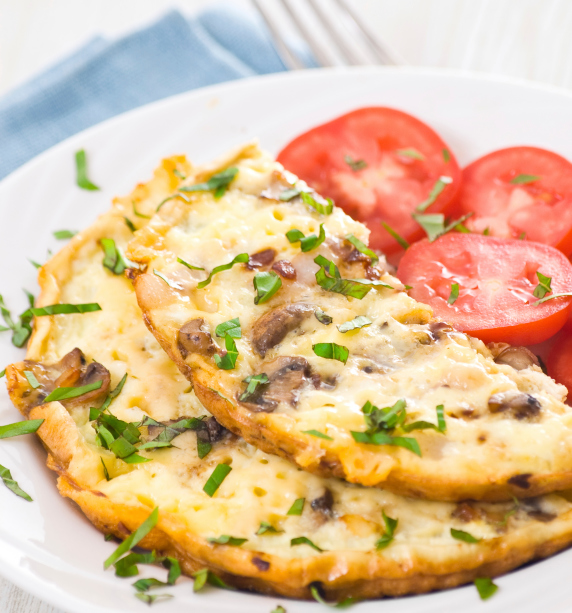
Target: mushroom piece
{"points": [[518, 404], [286, 375], [191, 339], [324, 504], [517, 357], [285, 269], [273, 326], [439, 330], [262, 258]]}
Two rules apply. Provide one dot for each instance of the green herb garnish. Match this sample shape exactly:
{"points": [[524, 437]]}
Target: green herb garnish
{"points": [[114, 259], [64, 309], [204, 576], [355, 165], [543, 286], [31, 377], [304, 540], [390, 527], [318, 434], [324, 209], [230, 328], [253, 382], [81, 172], [137, 213], [63, 234], [228, 360], [426, 425], [2, 373], [297, 507], [322, 317], [151, 598], [267, 528], [225, 539], [105, 471], [65, 393], [331, 351], [266, 285], [546, 298], [363, 248], [454, 293], [22, 329], [307, 243], [524, 179], [411, 153], [461, 535], [218, 183], [402, 242], [171, 284], [190, 266], [446, 155], [278, 609], [317, 596], [129, 224], [12, 485], [134, 538], [35, 264], [241, 258], [434, 194], [434, 224], [218, 475], [357, 322], [289, 194], [485, 587]]}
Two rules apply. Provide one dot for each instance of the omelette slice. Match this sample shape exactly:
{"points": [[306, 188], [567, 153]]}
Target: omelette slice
{"points": [[267, 526], [297, 338]]}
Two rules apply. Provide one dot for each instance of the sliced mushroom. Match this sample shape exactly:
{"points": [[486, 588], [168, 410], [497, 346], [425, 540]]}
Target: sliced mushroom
{"points": [[262, 258], [285, 269], [274, 325], [286, 375], [439, 329], [191, 339], [517, 404], [517, 357], [324, 504], [466, 512]]}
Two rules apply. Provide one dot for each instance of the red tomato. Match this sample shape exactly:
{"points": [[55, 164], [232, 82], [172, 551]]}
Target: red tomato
{"points": [[559, 362], [496, 279], [402, 160], [520, 190]]}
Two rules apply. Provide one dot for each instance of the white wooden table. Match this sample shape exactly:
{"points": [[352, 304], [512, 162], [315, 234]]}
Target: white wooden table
{"points": [[519, 38]]}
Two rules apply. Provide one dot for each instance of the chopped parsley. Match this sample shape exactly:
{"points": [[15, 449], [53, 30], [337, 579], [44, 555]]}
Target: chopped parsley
{"points": [[454, 293], [543, 286], [461, 535], [485, 587], [254, 381], [218, 183], [380, 425], [355, 165], [218, 475], [436, 190], [189, 266], [357, 322], [65, 393], [390, 527], [289, 194], [331, 351], [426, 425], [241, 258], [12, 485], [297, 507], [31, 377], [267, 528], [318, 434], [324, 209], [329, 278], [81, 172], [204, 576], [22, 329], [304, 540], [524, 179], [402, 242], [266, 285], [322, 317], [114, 259], [307, 243], [225, 539], [134, 538], [228, 360], [230, 328], [363, 248], [410, 153], [63, 234]]}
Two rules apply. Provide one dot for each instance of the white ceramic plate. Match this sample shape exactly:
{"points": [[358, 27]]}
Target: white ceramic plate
{"points": [[47, 547]]}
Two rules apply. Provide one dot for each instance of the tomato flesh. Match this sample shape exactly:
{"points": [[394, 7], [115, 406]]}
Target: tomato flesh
{"points": [[403, 157], [520, 191], [559, 362], [496, 279]]}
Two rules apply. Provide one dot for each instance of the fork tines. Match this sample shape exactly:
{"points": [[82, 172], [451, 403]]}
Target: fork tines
{"points": [[332, 29]]}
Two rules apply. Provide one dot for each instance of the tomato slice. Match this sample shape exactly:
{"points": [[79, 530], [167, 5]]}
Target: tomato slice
{"points": [[496, 279], [378, 164], [520, 191], [559, 362]]}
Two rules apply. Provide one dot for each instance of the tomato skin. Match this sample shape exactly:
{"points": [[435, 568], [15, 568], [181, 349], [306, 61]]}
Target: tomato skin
{"points": [[541, 209], [559, 362], [496, 279], [391, 185]]}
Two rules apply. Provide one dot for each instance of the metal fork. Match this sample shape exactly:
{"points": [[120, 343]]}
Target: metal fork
{"points": [[351, 40]]}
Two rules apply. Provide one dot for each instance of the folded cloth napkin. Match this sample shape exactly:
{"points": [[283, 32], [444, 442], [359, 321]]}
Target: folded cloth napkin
{"points": [[105, 78]]}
